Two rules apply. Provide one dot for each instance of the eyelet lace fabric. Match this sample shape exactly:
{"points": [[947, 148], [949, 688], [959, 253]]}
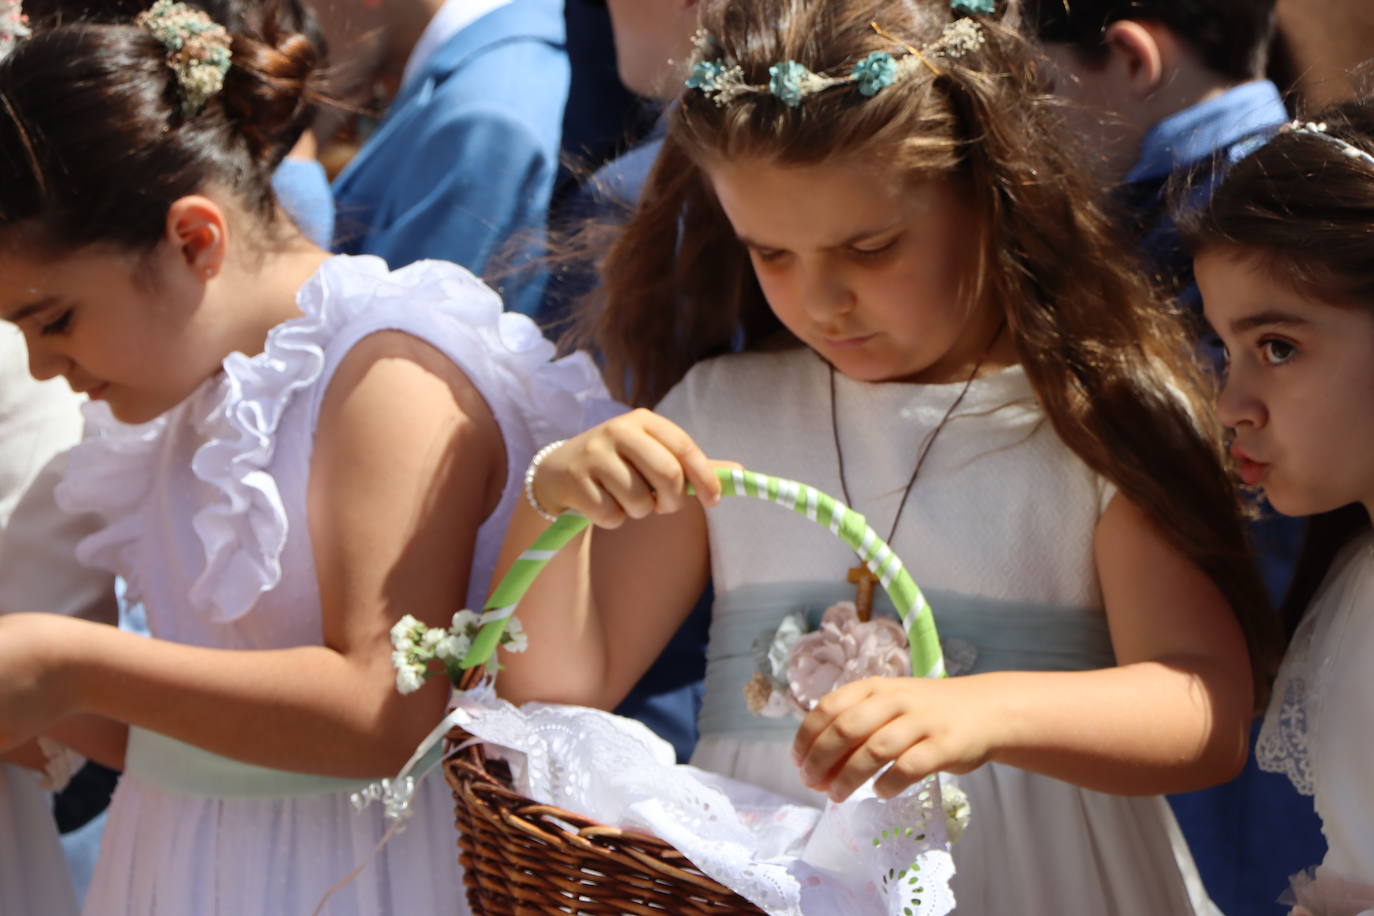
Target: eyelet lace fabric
{"points": [[1283, 746], [865, 856], [1292, 724]]}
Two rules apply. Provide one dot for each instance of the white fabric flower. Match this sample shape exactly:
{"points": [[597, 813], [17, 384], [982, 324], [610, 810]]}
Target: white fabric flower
{"points": [[515, 638], [404, 627], [409, 678], [452, 648]]}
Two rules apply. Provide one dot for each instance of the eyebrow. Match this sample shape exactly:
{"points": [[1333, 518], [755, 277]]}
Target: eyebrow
{"points": [[1264, 319], [856, 237], [33, 308]]}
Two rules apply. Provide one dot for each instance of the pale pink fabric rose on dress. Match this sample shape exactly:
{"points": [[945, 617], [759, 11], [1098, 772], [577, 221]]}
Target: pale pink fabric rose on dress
{"points": [[845, 649]]}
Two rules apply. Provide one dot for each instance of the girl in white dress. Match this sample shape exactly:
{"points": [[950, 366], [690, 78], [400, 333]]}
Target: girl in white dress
{"points": [[1283, 266], [875, 201], [39, 421], [292, 451]]}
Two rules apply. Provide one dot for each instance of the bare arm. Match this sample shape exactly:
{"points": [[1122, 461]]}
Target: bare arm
{"points": [[605, 607], [1172, 716], [408, 462]]}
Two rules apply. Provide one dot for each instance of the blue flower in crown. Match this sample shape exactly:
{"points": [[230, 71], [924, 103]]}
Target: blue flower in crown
{"points": [[875, 73], [706, 76], [786, 81], [973, 7]]}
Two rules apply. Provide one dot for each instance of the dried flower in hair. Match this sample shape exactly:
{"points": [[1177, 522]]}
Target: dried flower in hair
{"points": [[788, 81], [973, 7], [875, 73], [963, 36], [197, 49]]}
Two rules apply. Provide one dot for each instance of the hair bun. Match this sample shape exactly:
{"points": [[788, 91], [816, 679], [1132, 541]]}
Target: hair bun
{"points": [[272, 91]]}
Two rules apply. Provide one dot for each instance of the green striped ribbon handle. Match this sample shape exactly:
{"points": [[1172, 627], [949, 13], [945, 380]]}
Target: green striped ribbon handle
{"points": [[826, 511]]}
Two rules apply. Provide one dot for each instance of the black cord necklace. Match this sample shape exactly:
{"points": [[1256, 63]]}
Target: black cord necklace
{"points": [[860, 577]]}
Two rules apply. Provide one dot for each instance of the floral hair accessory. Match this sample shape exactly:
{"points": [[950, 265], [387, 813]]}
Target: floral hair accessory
{"points": [[14, 26], [790, 82], [875, 73], [973, 7], [197, 49], [1318, 130]]}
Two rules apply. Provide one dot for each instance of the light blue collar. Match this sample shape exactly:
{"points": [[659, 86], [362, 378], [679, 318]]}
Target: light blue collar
{"points": [[1198, 132]]}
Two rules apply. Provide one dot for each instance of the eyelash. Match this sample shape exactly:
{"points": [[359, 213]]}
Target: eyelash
{"points": [[57, 325], [1266, 346], [768, 256], [882, 249]]}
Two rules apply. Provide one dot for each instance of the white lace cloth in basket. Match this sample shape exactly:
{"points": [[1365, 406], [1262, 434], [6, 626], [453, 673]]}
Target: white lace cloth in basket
{"points": [[865, 856]]}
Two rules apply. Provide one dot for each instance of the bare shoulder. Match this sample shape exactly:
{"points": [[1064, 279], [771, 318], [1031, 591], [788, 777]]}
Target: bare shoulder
{"points": [[399, 403]]}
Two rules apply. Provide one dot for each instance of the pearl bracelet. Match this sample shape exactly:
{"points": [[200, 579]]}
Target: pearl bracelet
{"points": [[530, 471]]}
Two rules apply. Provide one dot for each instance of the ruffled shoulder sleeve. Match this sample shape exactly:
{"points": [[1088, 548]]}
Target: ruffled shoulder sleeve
{"points": [[536, 397], [229, 427]]}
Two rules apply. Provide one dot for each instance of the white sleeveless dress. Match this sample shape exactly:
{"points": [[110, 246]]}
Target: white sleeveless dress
{"points": [[206, 521], [38, 421], [998, 532], [1319, 731]]}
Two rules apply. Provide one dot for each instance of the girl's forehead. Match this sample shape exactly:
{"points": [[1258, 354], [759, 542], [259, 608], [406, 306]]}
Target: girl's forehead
{"points": [[828, 202]]}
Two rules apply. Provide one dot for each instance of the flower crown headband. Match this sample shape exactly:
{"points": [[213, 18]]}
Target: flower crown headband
{"points": [[197, 49], [1318, 130], [723, 81]]}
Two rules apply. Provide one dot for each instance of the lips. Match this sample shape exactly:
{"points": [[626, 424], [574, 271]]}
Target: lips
{"points": [[1251, 471], [847, 343]]}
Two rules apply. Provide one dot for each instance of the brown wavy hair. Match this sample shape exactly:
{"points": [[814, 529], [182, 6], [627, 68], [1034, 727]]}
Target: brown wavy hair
{"points": [[1111, 364], [94, 145], [1304, 208]]}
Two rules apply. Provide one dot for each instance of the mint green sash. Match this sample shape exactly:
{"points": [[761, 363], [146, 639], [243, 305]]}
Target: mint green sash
{"points": [[184, 769]]}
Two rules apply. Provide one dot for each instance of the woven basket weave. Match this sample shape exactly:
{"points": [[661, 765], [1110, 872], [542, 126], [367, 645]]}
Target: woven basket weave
{"points": [[520, 856]]}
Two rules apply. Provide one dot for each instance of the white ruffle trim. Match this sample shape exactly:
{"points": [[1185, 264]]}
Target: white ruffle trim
{"points": [[237, 412]]}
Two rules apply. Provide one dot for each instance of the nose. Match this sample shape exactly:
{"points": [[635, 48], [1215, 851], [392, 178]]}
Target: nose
{"points": [[826, 295], [44, 363], [1238, 404]]}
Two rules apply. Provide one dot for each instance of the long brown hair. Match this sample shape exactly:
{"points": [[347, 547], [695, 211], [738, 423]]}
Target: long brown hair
{"points": [[1304, 208], [1110, 364]]}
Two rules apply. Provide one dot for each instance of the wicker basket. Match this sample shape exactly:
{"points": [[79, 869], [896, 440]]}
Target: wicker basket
{"points": [[520, 856]]}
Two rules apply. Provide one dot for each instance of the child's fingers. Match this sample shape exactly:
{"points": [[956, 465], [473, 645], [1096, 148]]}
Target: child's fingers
{"points": [[911, 766], [888, 743], [623, 483], [839, 724], [690, 465]]}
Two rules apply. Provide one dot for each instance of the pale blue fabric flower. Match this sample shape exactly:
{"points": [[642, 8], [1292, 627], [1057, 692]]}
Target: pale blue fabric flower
{"points": [[973, 7], [786, 81], [706, 76], [875, 73]]}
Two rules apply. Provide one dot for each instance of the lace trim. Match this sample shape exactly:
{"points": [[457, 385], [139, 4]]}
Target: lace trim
{"points": [[244, 529], [865, 855]]}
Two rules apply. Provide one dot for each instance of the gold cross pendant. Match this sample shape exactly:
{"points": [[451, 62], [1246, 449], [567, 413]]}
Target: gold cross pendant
{"points": [[863, 582]]}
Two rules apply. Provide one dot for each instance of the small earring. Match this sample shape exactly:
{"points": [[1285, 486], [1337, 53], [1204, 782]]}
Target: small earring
{"points": [[209, 272]]}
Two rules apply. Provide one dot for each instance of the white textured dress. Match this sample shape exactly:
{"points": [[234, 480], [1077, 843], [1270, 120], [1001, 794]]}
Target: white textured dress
{"points": [[38, 422], [206, 521], [998, 532], [1319, 731]]}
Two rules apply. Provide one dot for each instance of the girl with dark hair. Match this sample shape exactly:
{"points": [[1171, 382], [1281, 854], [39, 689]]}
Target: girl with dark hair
{"points": [[1284, 260], [877, 203], [293, 450]]}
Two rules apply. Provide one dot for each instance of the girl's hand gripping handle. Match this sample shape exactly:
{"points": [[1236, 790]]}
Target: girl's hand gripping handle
{"points": [[633, 466]]}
